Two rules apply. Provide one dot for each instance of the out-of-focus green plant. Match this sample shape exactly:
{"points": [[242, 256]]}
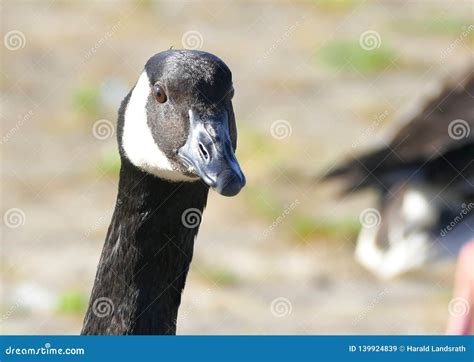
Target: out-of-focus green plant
{"points": [[109, 162], [254, 144], [337, 5], [442, 25], [72, 302], [86, 99], [264, 203], [219, 276], [304, 227], [147, 4], [349, 55], [298, 226]]}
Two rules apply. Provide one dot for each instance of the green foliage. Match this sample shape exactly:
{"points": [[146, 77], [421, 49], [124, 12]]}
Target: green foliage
{"points": [[86, 100], [109, 162], [442, 25], [337, 5], [72, 302], [220, 276], [349, 56], [304, 227], [254, 144], [298, 226], [147, 4], [264, 203]]}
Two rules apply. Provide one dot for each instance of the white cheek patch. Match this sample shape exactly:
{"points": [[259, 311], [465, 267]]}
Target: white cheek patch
{"points": [[137, 140]]}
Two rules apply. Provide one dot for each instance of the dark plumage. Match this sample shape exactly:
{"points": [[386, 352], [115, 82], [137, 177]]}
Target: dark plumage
{"points": [[146, 255], [148, 248], [424, 141]]}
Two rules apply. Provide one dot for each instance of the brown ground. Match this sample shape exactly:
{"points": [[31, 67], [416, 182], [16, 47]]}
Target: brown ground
{"points": [[64, 180]]}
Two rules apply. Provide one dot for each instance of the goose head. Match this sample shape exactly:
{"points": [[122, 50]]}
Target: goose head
{"points": [[178, 121]]}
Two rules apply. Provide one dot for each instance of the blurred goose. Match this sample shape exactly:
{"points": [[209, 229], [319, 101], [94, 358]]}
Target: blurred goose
{"points": [[424, 177], [176, 136]]}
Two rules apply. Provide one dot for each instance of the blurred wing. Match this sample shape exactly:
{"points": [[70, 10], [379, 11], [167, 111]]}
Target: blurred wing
{"points": [[445, 126]]}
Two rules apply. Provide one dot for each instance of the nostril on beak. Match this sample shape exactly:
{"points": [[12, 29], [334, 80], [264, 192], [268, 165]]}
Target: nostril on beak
{"points": [[203, 152]]}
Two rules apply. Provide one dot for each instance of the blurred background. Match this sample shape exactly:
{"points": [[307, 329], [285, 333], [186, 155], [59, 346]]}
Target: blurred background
{"points": [[315, 81]]}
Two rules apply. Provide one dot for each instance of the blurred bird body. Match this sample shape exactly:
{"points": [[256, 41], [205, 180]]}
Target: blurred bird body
{"points": [[424, 176]]}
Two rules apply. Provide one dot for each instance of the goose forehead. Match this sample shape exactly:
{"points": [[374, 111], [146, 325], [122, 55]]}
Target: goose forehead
{"points": [[189, 69], [197, 68]]}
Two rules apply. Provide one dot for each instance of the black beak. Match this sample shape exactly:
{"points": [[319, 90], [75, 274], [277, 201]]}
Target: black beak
{"points": [[208, 152]]}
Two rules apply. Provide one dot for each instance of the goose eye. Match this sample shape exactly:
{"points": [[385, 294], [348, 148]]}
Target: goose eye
{"points": [[159, 94]]}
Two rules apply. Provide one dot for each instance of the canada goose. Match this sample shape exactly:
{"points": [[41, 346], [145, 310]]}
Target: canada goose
{"points": [[177, 136], [425, 180]]}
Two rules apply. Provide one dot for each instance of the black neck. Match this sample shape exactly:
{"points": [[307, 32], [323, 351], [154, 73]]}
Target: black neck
{"points": [[146, 256]]}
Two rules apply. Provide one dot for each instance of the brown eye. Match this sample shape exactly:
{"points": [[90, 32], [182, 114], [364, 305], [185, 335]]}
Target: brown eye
{"points": [[159, 93]]}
